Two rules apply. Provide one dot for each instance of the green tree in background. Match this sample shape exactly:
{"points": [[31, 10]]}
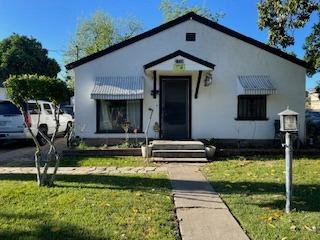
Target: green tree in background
{"points": [[282, 17], [312, 49], [23, 55], [173, 9], [99, 32]]}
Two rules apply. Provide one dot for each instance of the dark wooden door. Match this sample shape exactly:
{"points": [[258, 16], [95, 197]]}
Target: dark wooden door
{"points": [[175, 108]]}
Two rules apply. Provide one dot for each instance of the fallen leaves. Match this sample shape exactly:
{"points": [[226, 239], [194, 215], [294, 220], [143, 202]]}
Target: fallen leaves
{"points": [[293, 228], [271, 225], [55, 229], [311, 229]]}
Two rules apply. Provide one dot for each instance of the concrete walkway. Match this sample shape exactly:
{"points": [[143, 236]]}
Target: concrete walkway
{"points": [[85, 170], [23, 155], [200, 211]]}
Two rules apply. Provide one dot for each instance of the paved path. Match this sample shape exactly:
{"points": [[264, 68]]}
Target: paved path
{"points": [[23, 154], [85, 170], [200, 211]]}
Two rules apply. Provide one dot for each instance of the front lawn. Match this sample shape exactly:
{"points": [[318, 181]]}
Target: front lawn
{"points": [[115, 161], [255, 194], [87, 207]]}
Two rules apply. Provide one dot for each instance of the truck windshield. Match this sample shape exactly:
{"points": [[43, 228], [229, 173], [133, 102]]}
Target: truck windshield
{"points": [[8, 108]]}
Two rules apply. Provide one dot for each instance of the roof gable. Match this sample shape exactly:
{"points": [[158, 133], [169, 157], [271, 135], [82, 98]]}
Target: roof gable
{"points": [[182, 54], [182, 19]]}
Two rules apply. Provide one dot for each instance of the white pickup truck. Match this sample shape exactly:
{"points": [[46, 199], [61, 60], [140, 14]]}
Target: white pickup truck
{"points": [[12, 126]]}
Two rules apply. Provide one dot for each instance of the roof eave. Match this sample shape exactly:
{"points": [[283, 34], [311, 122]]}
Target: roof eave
{"points": [[182, 54], [188, 16]]}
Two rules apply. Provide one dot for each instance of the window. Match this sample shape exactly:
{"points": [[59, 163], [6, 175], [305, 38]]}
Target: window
{"points": [[47, 108], [190, 37], [8, 108], [252, 107], [112, 115], [33, 108]]}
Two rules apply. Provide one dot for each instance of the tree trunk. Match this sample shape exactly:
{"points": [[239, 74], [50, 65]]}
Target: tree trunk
{"points": [[52, 152], [37, 154]]}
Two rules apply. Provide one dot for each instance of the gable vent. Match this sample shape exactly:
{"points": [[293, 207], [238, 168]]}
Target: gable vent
{"points": [[190, 37]]}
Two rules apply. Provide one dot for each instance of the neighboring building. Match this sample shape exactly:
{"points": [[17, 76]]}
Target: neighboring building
{"points": [[2, 93], [201, 79], [313, 101]]}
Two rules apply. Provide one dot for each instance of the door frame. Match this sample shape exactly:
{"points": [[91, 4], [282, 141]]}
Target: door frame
{"points": [[189, 79]]}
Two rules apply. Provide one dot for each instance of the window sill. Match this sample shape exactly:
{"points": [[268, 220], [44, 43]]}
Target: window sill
{"points": [[248, 119]]}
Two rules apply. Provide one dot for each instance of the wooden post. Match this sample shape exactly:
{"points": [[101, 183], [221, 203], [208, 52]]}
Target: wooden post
{"points": [[288, 172], [154, 84], [198, 84]]}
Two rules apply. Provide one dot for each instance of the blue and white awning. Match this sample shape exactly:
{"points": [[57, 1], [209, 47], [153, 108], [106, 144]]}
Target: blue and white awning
{"points": [[118, 88], [255, 85]]}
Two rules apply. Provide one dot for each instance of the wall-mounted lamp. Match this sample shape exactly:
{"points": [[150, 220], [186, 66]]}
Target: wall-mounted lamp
{"points": [[208, 79]]}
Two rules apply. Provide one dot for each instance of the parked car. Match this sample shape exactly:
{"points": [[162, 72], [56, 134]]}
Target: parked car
{"points": [[68, 109], [313, 116], [12, 126], [313, 127]]}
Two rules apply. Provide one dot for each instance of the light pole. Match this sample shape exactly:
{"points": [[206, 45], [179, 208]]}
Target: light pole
{"points": [[288, 124]]}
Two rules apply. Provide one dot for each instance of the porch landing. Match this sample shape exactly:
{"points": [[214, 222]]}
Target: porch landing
{"points": [[178, 151]]}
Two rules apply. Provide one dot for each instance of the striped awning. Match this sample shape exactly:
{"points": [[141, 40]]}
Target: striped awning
{"points": [[255, 85], [118, 88]]}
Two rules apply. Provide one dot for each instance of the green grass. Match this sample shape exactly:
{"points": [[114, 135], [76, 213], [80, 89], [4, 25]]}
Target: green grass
{"points": [[115, 161], [255, 194], [87, 207]]}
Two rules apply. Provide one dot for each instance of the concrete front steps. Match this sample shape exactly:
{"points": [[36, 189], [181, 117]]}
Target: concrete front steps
{"points": [[178, 151]]}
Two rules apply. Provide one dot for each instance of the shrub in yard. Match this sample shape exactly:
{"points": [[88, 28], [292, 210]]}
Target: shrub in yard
{"points": [[22, 88]]}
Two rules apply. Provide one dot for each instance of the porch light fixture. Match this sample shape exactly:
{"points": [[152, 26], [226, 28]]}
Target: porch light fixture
{"points": [[288, 121], [208, 79]]}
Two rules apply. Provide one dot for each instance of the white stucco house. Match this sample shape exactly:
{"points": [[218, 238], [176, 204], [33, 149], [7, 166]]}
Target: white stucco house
{"points": [[201, 79]]}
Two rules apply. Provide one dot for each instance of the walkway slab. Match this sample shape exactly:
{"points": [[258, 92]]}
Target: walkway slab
{"points": [[85, 170], [200, 211]]}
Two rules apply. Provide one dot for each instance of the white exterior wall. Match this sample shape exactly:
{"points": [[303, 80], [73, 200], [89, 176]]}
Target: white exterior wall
{"points": [[215, 110]]}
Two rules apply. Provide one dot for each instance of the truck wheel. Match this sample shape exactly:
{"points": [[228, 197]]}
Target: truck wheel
{"points": [[40, 139]]}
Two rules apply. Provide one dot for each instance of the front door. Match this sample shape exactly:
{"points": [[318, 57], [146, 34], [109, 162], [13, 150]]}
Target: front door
{"points": [[175, 107]]}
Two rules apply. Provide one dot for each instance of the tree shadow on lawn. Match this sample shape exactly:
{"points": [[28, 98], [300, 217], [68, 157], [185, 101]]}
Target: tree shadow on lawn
{"points": [[45, 230], [117, 182], [306, 197]]}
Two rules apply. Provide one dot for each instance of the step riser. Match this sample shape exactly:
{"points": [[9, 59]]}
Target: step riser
{"points": [[185, 160], [177, 147], [179, 155]]}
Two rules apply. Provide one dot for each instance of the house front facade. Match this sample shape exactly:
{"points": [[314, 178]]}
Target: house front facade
{"points": [[198, 79]]}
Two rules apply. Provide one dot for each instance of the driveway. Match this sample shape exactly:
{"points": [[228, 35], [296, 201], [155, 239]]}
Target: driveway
{"points": [[20, 154]]}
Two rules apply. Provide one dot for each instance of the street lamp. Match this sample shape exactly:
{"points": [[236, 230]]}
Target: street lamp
{"points": [[288, 124]]}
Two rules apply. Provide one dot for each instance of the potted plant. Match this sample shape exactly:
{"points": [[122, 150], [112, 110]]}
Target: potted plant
{"points": [[210, 148], [146, 151]]}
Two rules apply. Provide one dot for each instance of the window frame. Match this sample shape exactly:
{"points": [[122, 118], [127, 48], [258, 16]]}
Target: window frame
{"points": [[46, 110], [98, 131], [255, 117]]}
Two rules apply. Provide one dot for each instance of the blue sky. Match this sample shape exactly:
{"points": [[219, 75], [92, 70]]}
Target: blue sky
{"points": [[54, 22]]}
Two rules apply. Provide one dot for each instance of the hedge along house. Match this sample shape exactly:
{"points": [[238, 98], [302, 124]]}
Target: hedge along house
{"points": [[202, 80]]}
